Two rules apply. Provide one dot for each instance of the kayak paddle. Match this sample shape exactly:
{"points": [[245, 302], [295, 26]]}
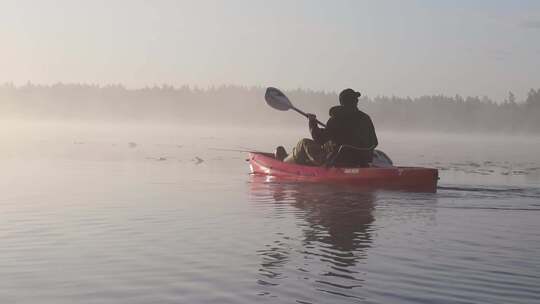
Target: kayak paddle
{"points": [[277, 100]]}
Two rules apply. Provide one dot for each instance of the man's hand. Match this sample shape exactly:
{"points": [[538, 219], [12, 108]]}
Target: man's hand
{"points": [[311, 117]]}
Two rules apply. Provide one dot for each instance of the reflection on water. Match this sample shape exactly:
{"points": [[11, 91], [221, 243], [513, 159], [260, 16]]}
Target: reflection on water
{"points": [[87, 218], [347, 246], [335, 236]]}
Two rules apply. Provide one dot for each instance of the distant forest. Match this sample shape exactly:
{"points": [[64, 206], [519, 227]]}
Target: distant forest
{"points": [[236, 105]]}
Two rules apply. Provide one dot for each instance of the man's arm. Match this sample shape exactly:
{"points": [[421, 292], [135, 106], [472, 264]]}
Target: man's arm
{"points": [[373, 142], [319, 135]]}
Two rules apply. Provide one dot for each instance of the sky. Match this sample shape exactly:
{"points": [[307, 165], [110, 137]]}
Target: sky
{"points": [[403, 48]]}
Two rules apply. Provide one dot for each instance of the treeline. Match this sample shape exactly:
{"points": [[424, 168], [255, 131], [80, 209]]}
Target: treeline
{"points": [[237, 105]]}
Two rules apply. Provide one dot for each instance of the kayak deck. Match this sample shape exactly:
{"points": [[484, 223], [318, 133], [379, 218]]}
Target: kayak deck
{"points": [[416, 179]]}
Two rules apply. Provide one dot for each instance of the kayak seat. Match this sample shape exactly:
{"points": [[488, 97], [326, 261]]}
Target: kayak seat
{"points": [[350, 156]]}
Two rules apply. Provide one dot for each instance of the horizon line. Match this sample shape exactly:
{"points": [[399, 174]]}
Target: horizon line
{"points": [[220, 86]]}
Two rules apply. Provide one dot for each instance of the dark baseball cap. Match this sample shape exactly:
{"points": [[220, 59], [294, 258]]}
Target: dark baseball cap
{"points": [[348, 94]]}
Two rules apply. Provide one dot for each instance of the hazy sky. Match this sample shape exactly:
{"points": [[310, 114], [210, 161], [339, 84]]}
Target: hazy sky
{"points": [[379, 47]]}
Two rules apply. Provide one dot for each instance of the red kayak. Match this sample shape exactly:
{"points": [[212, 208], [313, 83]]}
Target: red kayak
{"points": [[390, 177]]}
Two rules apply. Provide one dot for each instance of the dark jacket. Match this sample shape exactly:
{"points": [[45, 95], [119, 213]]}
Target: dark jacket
{"points": [[347, 126]]}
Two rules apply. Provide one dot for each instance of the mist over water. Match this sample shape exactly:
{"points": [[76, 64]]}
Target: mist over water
{"points": [[138, 213], [123, 131], [244, 106]]}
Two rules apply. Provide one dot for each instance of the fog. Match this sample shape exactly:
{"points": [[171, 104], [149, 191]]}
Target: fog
{"points": [[186, 147], [186, 126], [124, 127], [244, 106]]}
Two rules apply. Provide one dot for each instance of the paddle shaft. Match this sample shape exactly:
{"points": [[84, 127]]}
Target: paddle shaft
{"points": [[303, 113]]}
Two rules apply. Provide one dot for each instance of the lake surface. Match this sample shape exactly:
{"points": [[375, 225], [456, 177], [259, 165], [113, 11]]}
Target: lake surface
{"points": [[145, 214]]}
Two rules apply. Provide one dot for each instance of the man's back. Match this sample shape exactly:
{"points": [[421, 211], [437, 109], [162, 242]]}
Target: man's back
{"points": [[348, 126]]}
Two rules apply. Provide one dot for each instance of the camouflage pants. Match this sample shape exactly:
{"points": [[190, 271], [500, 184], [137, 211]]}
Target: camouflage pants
{"points": [[308, 152]]}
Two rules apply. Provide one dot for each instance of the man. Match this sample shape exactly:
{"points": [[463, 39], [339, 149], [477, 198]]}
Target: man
{"points": [[347, 126]]}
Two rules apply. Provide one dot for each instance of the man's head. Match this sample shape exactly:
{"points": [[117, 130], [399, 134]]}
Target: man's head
{"points": [[349, 97]]}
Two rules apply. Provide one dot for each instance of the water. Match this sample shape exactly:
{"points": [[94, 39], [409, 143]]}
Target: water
{"points": [[87, 217]]}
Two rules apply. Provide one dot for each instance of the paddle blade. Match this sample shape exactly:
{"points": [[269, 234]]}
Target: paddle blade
{"points": [[277, 100]]}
